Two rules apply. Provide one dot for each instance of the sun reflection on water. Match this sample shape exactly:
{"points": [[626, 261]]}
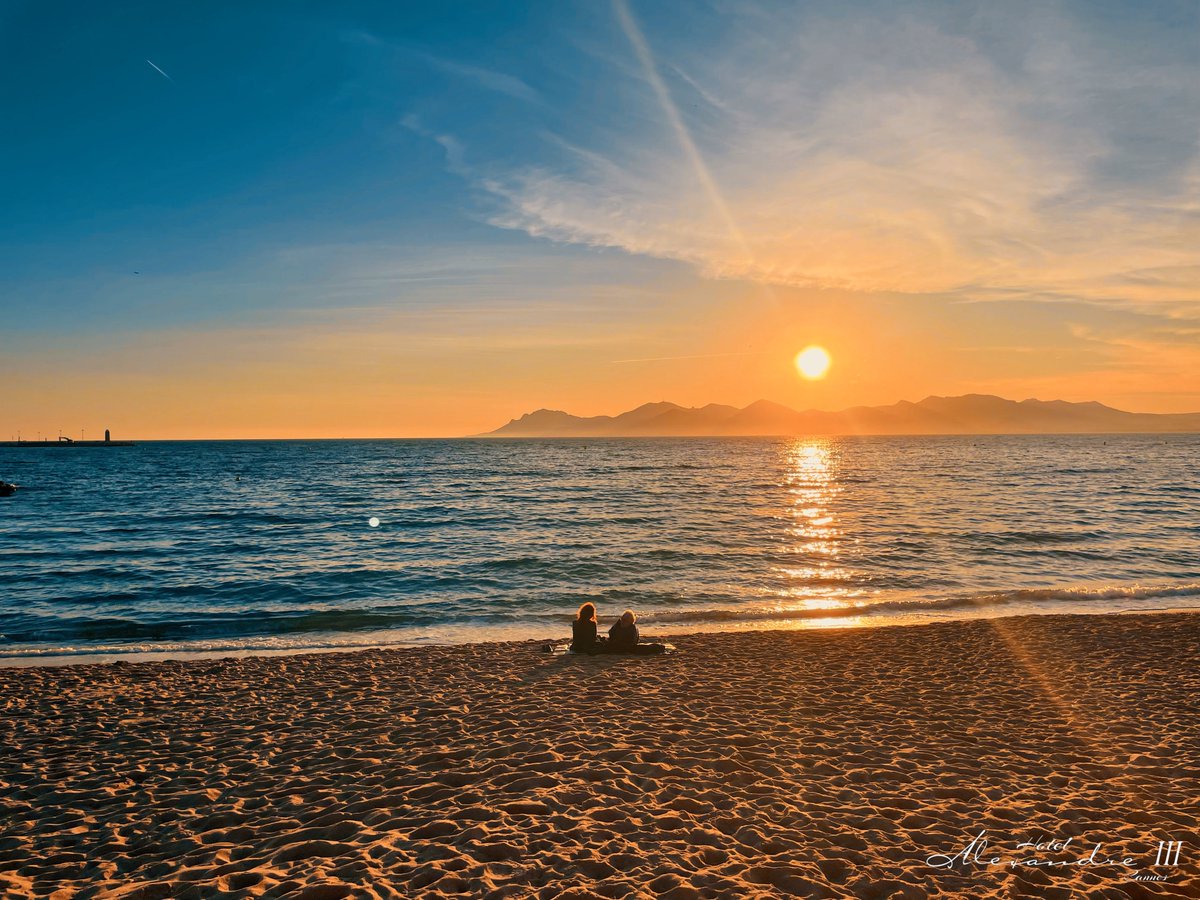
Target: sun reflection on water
{"points": [[810, 479]]}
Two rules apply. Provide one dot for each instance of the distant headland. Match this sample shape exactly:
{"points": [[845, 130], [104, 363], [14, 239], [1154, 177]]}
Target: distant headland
{"points": [[968, 414]]}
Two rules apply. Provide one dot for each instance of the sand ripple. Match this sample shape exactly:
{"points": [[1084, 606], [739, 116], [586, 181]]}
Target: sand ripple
{"points": [[816, 764]]}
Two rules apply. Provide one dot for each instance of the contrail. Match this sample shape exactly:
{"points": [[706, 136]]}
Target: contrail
{"points": [[697, 356], [161, 72], [642, 49]]}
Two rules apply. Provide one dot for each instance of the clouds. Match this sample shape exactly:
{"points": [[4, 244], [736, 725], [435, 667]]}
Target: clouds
{"points": [[483, 77], [1028, 153], [498, 82]]}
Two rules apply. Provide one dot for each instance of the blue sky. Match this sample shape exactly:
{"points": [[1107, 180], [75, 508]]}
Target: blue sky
{"points": [[279, 127], [485, 196]]}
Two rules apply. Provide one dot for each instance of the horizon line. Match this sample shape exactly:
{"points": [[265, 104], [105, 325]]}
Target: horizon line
{"points": [[17, 442], [491, 436]]}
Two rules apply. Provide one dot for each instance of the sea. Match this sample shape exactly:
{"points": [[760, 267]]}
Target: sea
{"points": [[230, 547]]}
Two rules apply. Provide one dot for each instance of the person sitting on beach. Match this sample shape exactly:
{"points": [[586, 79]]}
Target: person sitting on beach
{"points": [[583, 631], [623, 636]]}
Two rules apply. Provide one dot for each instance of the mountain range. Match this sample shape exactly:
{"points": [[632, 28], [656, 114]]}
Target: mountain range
{"points": [[968, 414]]}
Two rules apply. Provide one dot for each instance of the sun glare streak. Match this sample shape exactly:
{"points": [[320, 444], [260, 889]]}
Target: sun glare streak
{"points": [[1078, 719]]}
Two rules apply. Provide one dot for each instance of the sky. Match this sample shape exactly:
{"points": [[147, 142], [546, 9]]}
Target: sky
{"points": [[415, 219]]}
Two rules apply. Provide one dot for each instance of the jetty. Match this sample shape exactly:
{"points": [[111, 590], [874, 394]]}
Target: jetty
{"points": [[64, 441]]}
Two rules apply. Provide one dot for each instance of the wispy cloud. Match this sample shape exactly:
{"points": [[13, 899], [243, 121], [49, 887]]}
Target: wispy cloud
{"points": [[704, 177], [692, 356], [480, 76], [455, 155], [900, 153], [491, 80]]}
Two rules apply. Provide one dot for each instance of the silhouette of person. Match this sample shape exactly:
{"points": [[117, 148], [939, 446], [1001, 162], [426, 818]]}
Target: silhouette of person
{"points": [[583, 631], [623, 636]]}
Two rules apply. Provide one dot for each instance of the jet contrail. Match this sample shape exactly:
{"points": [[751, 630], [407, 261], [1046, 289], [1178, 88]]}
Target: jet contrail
{"points": [[641, 49], [161, 72]]}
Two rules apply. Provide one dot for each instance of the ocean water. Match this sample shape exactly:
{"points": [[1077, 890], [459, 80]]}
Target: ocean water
{"points": [[269, 545]]}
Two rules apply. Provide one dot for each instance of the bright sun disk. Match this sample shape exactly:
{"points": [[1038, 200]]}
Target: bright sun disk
{"points": [[813, 362]]}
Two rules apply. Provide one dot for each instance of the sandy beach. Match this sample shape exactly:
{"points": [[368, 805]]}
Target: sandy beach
{"points": [[812, 764]]}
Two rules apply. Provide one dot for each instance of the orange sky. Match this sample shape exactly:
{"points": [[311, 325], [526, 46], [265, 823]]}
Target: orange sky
{"points": [[444, 372]]}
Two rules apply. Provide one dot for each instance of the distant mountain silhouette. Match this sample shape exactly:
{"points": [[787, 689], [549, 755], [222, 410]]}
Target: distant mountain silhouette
{"points": [[969, 414]]}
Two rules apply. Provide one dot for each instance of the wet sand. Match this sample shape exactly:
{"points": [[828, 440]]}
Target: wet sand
{"points": [[810, 764]]}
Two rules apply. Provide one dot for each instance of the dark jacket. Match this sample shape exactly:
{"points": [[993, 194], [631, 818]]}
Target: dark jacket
{"points": [[583, 635], [622, 636]]}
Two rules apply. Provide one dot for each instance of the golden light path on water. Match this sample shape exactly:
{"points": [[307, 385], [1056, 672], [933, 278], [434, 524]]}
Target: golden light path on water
{"points": [[811, 481]]}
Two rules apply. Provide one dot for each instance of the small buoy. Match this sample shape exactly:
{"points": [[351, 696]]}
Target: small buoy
{"points": [[373, 522]]}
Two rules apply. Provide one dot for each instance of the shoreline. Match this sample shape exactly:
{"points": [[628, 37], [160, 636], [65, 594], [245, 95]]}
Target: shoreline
{"points": [[823, 763], [50, 659]]}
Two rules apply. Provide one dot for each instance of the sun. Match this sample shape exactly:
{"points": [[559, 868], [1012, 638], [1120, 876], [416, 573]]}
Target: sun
{"points": [[813, 362]]}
